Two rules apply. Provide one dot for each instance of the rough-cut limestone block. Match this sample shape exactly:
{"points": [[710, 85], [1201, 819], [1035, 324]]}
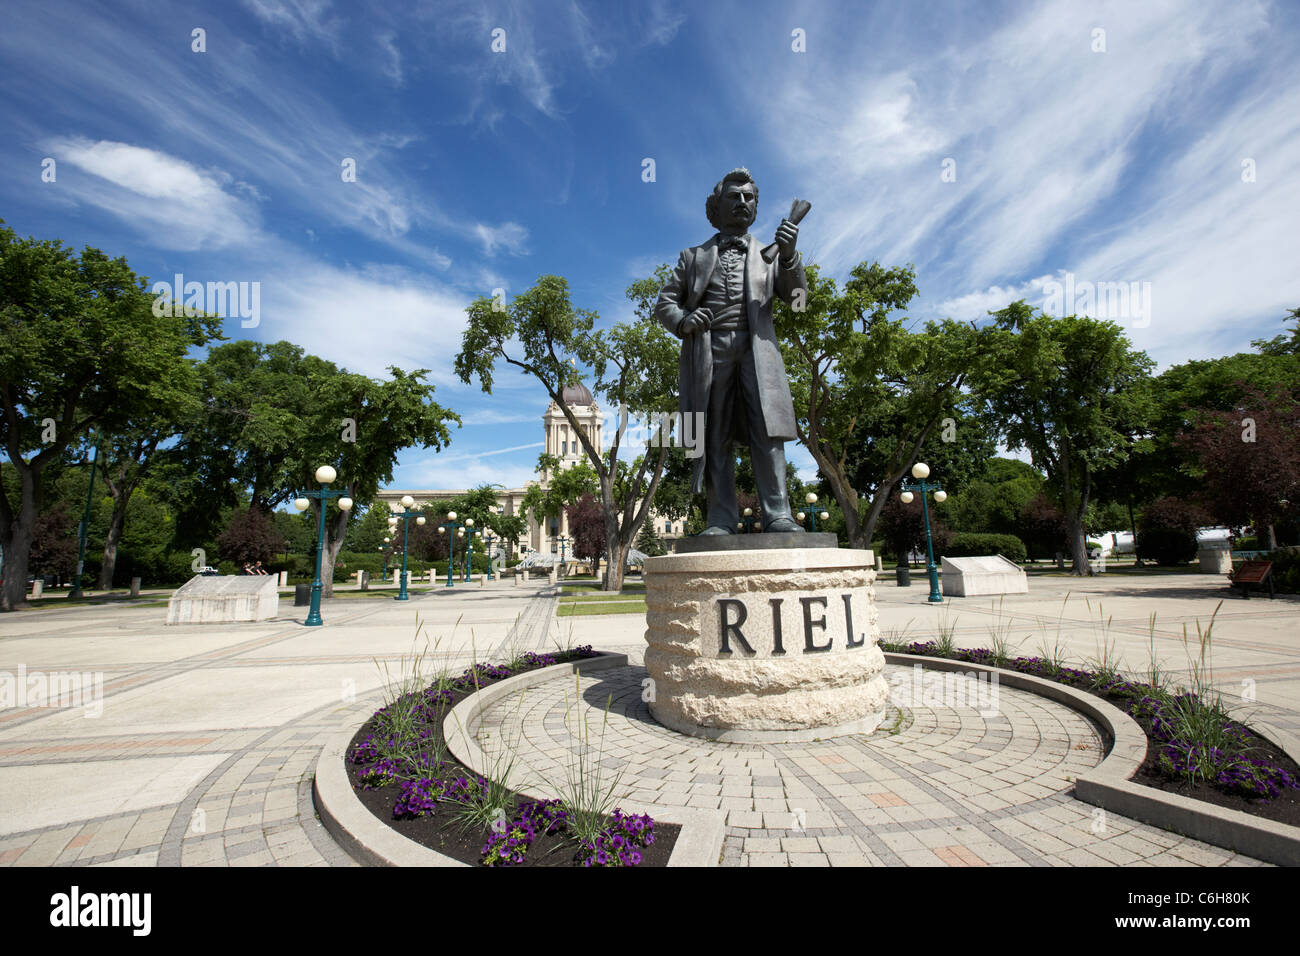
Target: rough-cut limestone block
{"points": [[989, 574], [764, 645], [221, 600]]}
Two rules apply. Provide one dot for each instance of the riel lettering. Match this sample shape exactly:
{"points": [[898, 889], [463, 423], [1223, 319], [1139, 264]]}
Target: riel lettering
{"points": [[817, 622]]}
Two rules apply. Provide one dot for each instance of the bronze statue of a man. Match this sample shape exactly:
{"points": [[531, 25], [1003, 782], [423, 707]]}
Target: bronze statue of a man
{"points": [[719, 303]]}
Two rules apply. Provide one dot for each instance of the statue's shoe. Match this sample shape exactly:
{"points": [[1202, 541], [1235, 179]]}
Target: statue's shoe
{"points": [[783, 524], [716, 529]]}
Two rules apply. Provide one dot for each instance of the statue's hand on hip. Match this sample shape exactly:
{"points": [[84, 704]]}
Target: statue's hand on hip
{"points": [[697, 320]]}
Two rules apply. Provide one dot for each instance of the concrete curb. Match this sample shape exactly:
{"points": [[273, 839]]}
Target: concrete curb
{"points": [[370, 841], [1108, 785]]}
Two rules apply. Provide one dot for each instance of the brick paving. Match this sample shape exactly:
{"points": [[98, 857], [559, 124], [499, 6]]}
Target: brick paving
{"points": [[204, 750], [935, 786]]}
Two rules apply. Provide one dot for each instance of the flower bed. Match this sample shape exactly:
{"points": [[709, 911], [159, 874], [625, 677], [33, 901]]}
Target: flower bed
{"points": [[1194, 749], [401, 770]]}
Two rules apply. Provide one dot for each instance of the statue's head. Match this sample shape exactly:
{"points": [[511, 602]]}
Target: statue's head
{"points": [[733, 204]]}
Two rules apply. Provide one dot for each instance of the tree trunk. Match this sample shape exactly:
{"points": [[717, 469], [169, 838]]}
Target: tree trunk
{"points": [[18, 549], [115, 526], [1133, 528], [1078, 543], [332, 545], [17, 537]]}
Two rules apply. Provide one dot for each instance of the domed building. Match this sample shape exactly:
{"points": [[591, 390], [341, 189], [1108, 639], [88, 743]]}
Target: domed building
{"points": [[561, 440]]}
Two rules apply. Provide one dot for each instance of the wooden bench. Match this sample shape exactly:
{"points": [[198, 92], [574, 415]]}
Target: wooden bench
{"points": [[1253, 572]]}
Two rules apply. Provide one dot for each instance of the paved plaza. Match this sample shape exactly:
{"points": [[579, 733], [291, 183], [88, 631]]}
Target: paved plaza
{"points": [[202, 748]]}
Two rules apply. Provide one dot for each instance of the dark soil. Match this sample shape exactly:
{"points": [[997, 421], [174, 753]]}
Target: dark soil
{"points": [[443, 832], [1284, 808]]}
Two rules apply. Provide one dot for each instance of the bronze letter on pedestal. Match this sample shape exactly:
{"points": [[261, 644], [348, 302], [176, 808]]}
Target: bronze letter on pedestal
{"points": [[725, 626], [808, 624]]}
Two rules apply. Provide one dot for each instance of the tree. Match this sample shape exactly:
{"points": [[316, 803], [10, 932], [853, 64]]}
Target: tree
{"points": [[587, 527], [868, 392], [250, 536], [634, 368], [274, 414], [81, 348], [54, 544], [128, 454], [1067, 391], [1282, 344], [1249, 459], [649, 543]]}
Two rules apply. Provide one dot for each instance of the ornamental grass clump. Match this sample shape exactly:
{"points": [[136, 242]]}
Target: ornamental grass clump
{"points": [[588, 791]]}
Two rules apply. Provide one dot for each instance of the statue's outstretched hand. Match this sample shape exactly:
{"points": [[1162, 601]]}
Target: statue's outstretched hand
{"points": [[697, 320]]}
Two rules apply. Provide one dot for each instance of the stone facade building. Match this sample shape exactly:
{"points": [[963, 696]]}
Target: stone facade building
{"points": [[561, 441]]}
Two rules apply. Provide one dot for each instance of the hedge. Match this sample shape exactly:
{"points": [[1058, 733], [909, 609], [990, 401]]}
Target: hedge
{"points": [[966, 544]]}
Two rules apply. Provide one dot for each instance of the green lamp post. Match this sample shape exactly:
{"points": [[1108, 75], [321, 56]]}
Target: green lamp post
{"points": [[746, 524], [406, 514], [469, 547], [562, 541], [811, 499], [324, 474], [457, 530], [920, 472]]}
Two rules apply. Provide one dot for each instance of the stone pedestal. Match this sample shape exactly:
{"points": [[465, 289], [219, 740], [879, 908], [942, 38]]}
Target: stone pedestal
{"points": [[38, 587], [135, 587], [776, 644]]}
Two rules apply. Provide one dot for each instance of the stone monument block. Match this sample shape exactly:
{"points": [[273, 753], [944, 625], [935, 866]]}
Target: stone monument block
{"points": [[987, 574], [764, 645], [224, 599]]}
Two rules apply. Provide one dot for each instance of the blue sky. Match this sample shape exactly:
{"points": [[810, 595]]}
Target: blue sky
{"points": [[996, 146]]}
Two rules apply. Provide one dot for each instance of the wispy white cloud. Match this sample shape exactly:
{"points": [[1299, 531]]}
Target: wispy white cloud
{"points": [[174, 203], [510, 236]]}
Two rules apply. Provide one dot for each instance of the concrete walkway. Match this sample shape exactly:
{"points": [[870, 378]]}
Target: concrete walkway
{"points": [[200, 749]]}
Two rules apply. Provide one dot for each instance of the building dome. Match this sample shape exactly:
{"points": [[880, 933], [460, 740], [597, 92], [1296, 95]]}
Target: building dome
{"points": [[577, 394]]}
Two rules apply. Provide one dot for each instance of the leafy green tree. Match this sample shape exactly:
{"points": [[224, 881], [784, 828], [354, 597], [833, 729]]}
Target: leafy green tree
{"points": [[868, 392], [634, 367], [274, 414], [1282, 344], [1068, 391], [82, 348]]}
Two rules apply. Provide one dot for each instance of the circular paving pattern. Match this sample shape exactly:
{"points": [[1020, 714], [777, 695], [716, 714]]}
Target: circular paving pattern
{"points": [[935, 785]]}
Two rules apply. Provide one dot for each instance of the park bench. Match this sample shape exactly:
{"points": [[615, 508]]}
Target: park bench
{"points": [[1252, 572]]}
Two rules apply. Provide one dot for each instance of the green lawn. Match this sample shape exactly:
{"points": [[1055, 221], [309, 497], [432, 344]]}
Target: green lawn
{"points": [[586, 608]]}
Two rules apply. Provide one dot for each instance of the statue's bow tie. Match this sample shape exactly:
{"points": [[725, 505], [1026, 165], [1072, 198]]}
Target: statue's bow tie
{"points": [[739, 243]]}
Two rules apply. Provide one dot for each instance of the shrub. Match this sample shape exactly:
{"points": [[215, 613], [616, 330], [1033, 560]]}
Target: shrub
{"points": [[968, 544], [1167, 531], [1286, 569]]}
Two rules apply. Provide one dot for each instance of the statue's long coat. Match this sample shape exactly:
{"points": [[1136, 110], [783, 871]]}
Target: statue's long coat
{"points": [[683, 295]]}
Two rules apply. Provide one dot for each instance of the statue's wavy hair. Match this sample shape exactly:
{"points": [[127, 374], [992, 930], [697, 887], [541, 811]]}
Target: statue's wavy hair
{"points": [[738, 175]]}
